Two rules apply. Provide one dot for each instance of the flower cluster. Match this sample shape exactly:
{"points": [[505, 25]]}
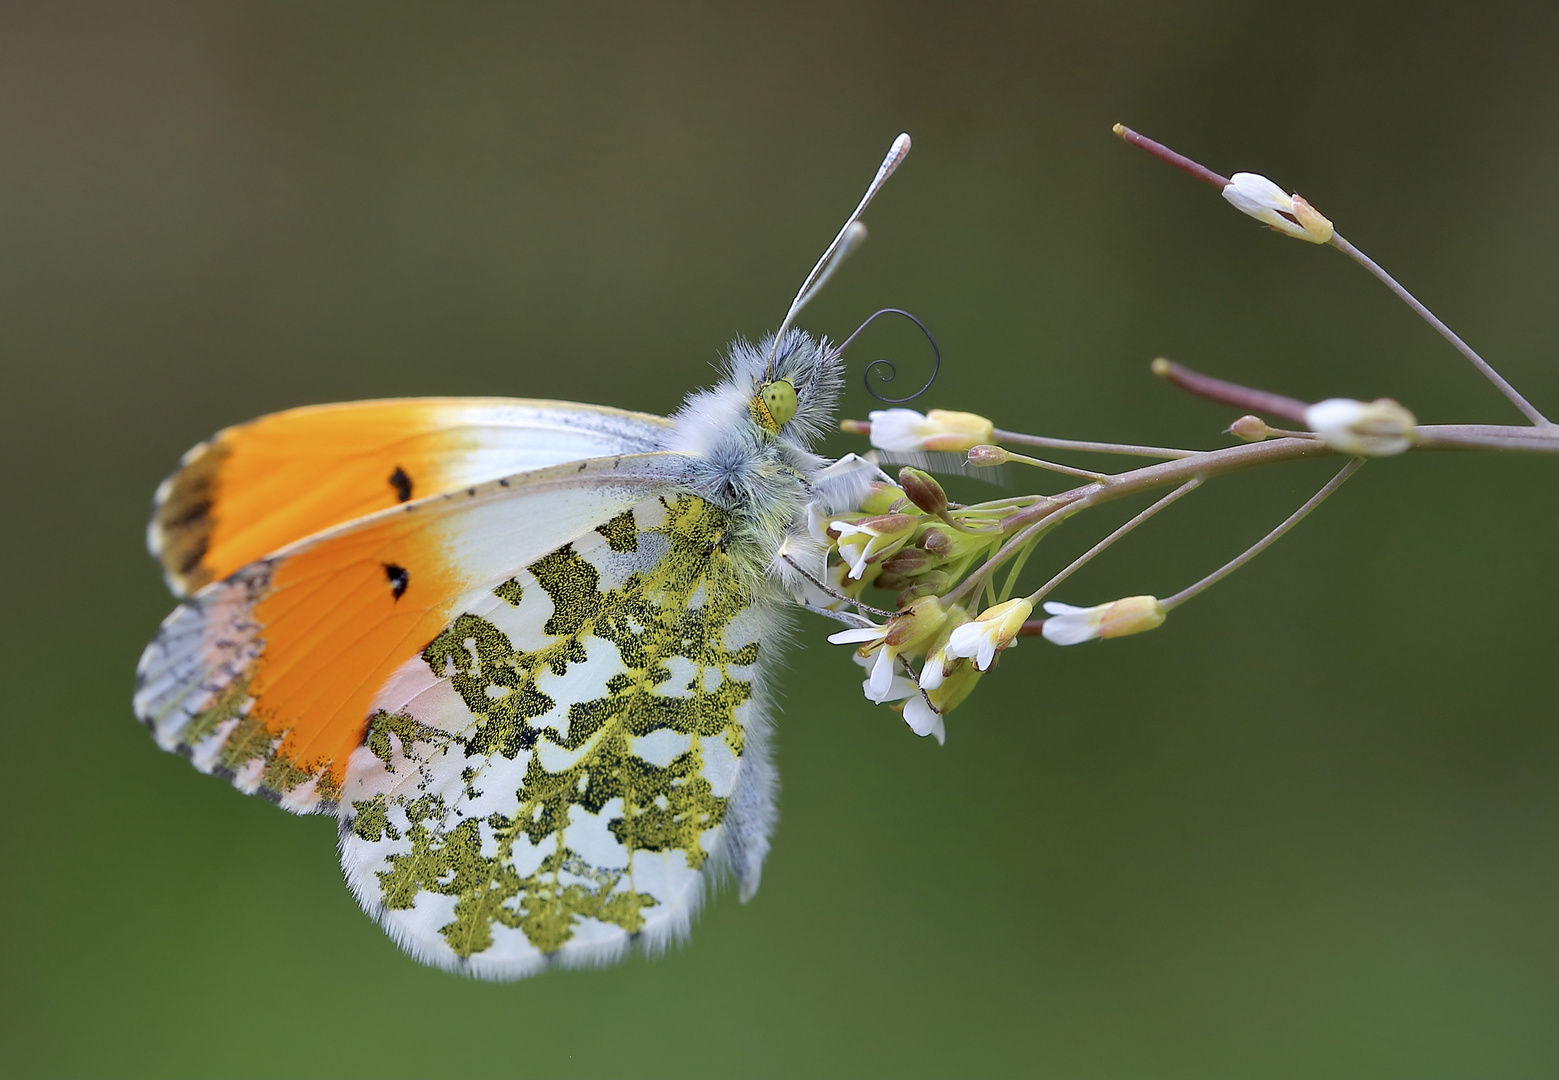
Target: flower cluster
{"points": [[908, 539], [953, 618]]}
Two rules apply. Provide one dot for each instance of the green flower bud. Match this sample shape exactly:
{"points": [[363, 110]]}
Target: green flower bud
{"points": [[923, 490]]}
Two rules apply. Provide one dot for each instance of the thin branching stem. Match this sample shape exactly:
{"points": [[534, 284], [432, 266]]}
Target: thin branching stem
{"points": [[1207, 176], [1067, 470], [1044, 515], [1265, 542], [1048, 443], [1526, 407], [1083, 559]]}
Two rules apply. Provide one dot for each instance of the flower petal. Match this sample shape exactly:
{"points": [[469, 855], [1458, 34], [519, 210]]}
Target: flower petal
{"points": [[987, 652], [881, 679], [921, 718], [1073, 628], [858, 633], [964, 641], [896, 429], [933, 671]]}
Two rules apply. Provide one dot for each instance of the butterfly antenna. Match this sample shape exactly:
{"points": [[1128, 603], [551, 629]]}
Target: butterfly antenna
{"points": [[893, 371], [849, 238]]}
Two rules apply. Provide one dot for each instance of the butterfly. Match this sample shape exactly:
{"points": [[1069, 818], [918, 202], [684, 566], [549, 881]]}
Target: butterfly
{"points": [[521, 649]]}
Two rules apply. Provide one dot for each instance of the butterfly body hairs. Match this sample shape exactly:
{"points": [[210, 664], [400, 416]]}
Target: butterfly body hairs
{"points": [[521, 649]]}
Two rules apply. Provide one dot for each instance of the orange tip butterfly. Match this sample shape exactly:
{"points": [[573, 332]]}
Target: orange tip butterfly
{"points": [[521, 649]]}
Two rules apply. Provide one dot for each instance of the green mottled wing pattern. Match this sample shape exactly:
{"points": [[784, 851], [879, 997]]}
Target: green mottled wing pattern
{"points": [[559, 772]]}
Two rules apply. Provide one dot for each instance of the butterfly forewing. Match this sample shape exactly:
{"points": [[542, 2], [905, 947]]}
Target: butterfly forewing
{"points": [[268, 676], [256, 487], [559, 770]]}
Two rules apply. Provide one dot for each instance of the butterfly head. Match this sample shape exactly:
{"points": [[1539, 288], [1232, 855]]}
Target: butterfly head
{"points": [[774, 405], [793, 396]]}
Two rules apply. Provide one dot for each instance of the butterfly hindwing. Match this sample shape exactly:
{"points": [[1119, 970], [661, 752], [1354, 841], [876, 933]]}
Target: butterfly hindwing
{"points": [[254, 488], [563, 766], [267, 676]]}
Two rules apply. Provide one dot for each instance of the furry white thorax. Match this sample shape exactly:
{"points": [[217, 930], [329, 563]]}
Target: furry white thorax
{"points": [[765, 480]]}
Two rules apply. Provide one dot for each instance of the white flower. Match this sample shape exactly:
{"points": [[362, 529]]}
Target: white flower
{"points": [[923, 720], [869, 539], [905, 429], [1070, 625], [934, 670], [1291, 215], [1377, 428], [881, 656], [995, 629]]}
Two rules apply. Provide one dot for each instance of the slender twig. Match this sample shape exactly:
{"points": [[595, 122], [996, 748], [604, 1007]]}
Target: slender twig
{"points": [[1083, 559], [1266, 541], [1206, 175], [1091, 447], [1228, 393], [1051, 511], [1164, 153], [1444, 331], [1041, 463], [1543, 439]]}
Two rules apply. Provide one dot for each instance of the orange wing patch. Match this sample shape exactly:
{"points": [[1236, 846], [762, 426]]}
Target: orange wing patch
{"points": [[256, 487], [267, 676]]}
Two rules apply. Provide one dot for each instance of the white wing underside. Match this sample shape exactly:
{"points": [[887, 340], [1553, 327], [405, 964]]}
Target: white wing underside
{"points": [[444, 830], [517, 435]]}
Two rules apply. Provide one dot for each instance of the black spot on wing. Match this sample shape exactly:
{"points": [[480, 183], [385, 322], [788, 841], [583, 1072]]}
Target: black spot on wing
{"points": [[402, 484], [399, 577]]}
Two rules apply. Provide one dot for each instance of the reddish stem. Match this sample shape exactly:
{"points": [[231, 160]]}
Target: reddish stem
{"points": [[1228, 393], [1179, 161]]}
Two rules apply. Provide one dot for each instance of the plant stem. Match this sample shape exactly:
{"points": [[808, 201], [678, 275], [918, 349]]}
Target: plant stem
{"points": [[1041, 463], [1082, 560], [1266, 541], [1164, 153], [1444, 331], [1093, 447], [1487, 437], [1228, 393]]}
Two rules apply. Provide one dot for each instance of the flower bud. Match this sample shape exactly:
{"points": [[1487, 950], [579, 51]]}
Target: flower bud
{"points": [[879, 497], [912, 630], [1253, 194], [1249, 428], [1378, 428], [933, 583], [986, 454], [923, 490], [905, 429], [1318, 229], [855, 427], [957, 430], [937, 543], [1070, 625], [995, 629], [908, 562]]}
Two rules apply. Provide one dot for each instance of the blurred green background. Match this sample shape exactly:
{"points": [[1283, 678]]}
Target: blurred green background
{"points": [[1307, 829]]}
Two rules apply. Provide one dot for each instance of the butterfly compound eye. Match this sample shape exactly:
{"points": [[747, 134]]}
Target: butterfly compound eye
{"points": [[779, 403]]}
